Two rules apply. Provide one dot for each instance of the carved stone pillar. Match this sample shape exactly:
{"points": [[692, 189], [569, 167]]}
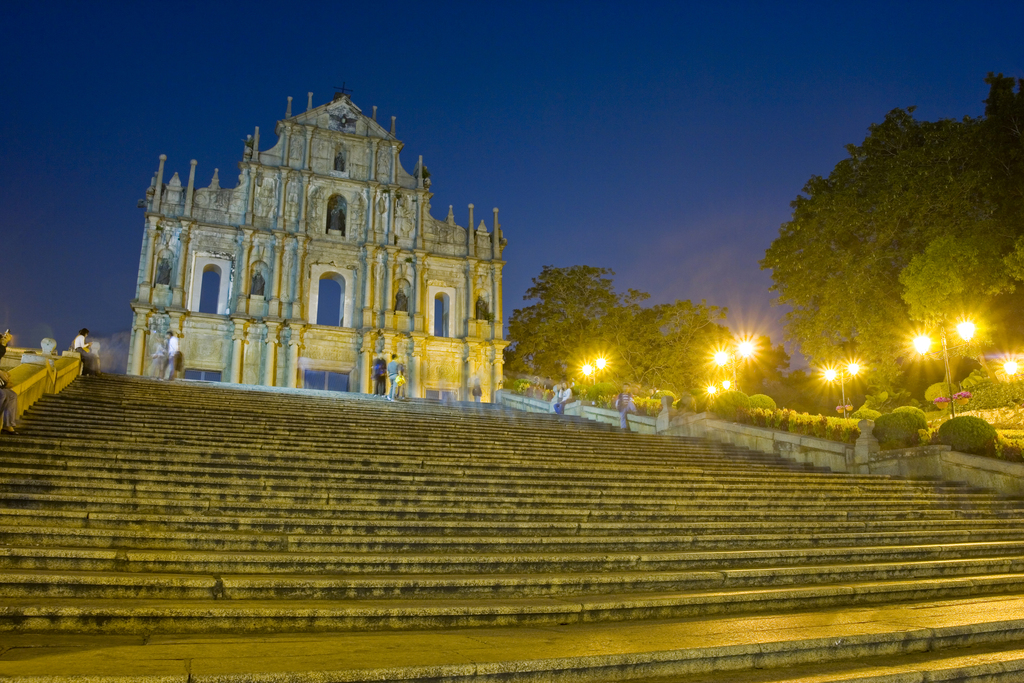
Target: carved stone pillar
{"points": [[178, 294], [469, 328], [292, 367], [299, 303], [190, 191], [146, 269], [250, 181], [138, 348], [308, 162], [365, 351], [276, 276], [237, 337], [242, 286], [270, 355], [416, 386], [497, 326]]}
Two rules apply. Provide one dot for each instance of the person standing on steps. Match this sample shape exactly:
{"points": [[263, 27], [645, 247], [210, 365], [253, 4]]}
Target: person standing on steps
{"points": [[173, 356], [477, 391], [160, 360], [625, 405], [90, 361], [393, 372], [380, 373], [8, 399]]}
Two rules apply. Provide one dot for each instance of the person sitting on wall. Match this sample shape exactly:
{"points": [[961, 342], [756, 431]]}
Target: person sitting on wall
{"points": [[8, 403], [90, 361]]}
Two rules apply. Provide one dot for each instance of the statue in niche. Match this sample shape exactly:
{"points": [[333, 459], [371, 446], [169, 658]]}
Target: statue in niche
{"points": [[258, 284], [402, 296], [336, 215], [378, 345], [483, 310], [292, 202], [384, 164], [163, 272], [339, 161]]}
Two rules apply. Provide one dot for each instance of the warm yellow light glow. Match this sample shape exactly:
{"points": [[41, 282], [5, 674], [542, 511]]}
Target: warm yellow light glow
{"points": [[712, 389], [726, 384], [721, 357], [588, 370], [853, 369], [746, 349], [600, 363], [830, 375], [966, 330], [1010, 367], [922, 344]]}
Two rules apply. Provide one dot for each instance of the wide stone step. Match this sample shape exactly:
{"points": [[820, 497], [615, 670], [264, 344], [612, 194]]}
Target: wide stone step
{"points": [[49, 584], [134, 616], [878, 644]]}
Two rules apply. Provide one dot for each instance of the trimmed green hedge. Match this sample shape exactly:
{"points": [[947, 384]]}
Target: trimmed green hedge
{"points": [[898, 430], [763, 402], [865, 413], [968, 434], [727, 403]]}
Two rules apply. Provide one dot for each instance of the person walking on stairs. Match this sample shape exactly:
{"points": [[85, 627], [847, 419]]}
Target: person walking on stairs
{"points": [[625, 405], [90, 361], [8, 404], [173, 356]]}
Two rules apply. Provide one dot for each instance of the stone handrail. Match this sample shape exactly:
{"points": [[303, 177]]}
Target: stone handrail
{"points": [[31, 381], [637, 423]]}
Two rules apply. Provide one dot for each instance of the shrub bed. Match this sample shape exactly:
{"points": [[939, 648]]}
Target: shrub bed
{"points": [[728, 402], [899, 429], [968, 434], [821, 426]]}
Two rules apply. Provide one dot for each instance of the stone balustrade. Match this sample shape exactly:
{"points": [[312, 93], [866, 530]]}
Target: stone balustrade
{"points": [[31, 381], [637, 423]]}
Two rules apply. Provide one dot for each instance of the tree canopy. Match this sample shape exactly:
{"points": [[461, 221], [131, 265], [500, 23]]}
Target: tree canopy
{"points": [[577, 316], [921, 224]]}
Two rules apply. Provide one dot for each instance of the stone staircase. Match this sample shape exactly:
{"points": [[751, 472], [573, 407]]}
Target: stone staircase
{"points": [[130, 507]]}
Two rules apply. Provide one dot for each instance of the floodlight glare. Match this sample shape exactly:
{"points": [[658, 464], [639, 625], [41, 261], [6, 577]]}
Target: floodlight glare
{"points": [[1010, 367], [830, 375], [587, 370], [721, 357], [853, 369], [600, 363], [922, 344], [746, 349], [966, 330], [712, 389]]}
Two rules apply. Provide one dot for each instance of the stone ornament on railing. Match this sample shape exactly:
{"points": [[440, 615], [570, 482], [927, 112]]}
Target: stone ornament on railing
{"points": [[48, 346]]}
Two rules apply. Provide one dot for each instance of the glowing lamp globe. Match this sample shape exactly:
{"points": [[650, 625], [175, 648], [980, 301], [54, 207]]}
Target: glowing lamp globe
{"points": [[922, 344], [830, 375], [712, 389], [853, 369], [721, 358], [726, 385], [966, 330], [600, 363], [587, 370], [746, 349], [1010, 367]]}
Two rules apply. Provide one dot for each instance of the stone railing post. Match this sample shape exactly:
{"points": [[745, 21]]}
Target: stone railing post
{"points": [[864, 449]]}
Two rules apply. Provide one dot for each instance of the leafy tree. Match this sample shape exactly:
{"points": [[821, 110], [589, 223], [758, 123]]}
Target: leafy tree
{"points": [[922, 222], [571, 304]]}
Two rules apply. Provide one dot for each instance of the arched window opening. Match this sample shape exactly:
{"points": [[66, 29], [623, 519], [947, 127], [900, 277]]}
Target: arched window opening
{"points": [[209, 290], [441, 308], [330, 302], [336, 215]]}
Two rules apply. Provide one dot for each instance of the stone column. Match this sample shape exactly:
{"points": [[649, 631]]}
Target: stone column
{"points": [[286, 147], [365, 351], [250, 178], [496, 372], [865, 448], [292, 366], [299, 297], [237, 337], [416, 386], [138, 349], [470, 298], [147, 264], [497, 325], [471, 235], [308, 165], [178, 296], [242, 284], [276, 276], [270, 355]]}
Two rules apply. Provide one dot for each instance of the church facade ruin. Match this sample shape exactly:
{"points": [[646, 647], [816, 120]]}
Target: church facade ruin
{"points": [[324, 256]]}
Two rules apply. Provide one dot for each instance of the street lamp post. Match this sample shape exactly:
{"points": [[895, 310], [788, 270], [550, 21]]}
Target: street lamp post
{"points": [[831, 375], [744, 350], [922, 343]]}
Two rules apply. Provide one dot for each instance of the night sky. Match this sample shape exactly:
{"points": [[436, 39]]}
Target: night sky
{"points": [[663, 141]]}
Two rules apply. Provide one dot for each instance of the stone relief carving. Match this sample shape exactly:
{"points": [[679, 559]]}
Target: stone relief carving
{"points": [[342, 119], [357, 210], [266, 197], [404, 221], [291, 210], [316, 196]]}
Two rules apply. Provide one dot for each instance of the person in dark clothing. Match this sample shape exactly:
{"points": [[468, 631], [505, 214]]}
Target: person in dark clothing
{"points": [[380, 377], [8, 399], [4, 341]]}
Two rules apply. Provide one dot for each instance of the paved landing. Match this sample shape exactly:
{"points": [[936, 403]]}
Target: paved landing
{"points": [[604, 651]]}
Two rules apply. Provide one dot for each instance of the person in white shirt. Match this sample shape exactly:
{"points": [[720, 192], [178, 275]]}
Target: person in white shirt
{"points": [[173, 356], [90, 361], [566, 396]]}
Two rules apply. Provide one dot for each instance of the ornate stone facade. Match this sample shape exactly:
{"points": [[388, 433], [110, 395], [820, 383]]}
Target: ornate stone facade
{"points": [[237, 272]]}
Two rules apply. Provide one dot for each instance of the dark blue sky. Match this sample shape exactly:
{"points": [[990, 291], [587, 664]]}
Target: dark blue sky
{"points": [[662, 140]]}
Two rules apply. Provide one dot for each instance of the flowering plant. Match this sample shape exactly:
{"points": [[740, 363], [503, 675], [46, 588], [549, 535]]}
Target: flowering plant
{"points": [[940, 400], [963, 394]]}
